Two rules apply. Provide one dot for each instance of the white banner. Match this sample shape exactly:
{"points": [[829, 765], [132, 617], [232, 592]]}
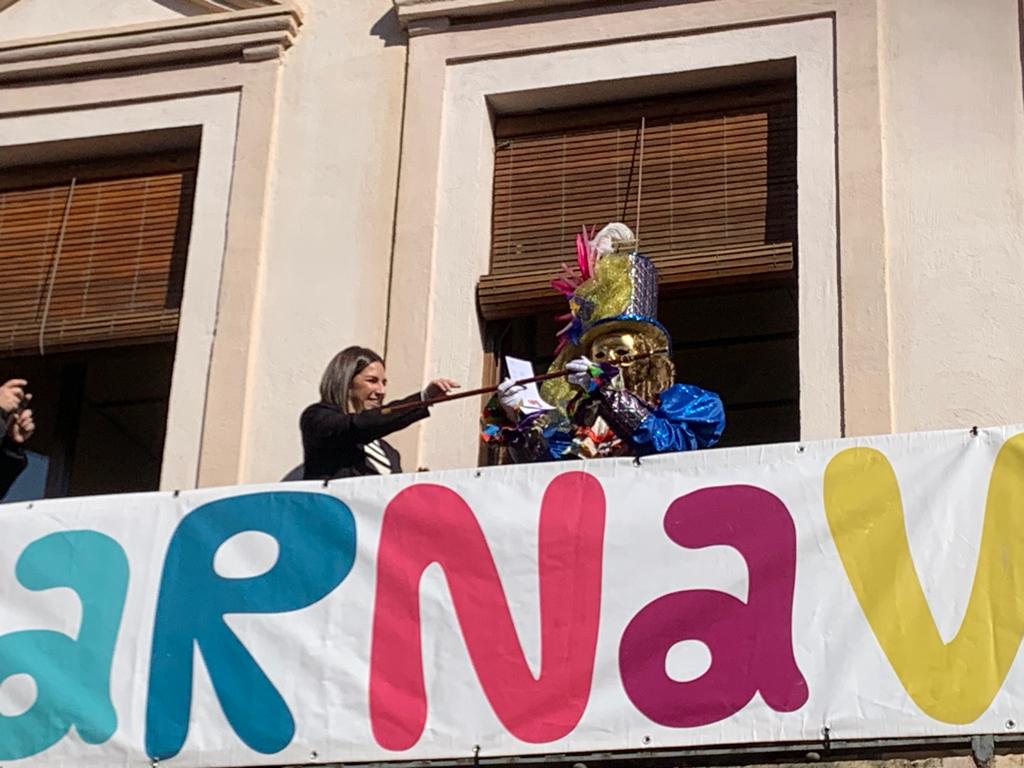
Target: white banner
{"points": [[872, 587]]}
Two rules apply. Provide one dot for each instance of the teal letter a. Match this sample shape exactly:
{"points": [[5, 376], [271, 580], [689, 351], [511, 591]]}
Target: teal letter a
{"points": [[72, 676]]}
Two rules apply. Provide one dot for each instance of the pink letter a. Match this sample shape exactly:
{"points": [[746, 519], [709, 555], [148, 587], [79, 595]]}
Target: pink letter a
{"points": [[427, 524]]}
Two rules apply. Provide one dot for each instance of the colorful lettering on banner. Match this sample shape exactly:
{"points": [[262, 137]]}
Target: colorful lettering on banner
{"points": [[953, 682], [427, 524], [71, 675], [539, 710], [751, 643], [316, 539]]}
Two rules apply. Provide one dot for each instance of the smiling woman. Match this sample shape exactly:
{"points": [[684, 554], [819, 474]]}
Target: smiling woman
{"points": [[342, 435]]}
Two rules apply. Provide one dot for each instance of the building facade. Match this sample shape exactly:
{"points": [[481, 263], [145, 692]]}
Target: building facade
{"points": [[833, 190]]}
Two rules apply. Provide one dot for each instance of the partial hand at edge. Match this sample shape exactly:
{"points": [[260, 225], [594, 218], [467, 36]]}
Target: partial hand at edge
{"points": [[12, 392], [22, 427]]}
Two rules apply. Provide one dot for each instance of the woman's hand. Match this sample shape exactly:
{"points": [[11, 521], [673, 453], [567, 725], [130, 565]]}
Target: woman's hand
{"points": [[439, 388]]}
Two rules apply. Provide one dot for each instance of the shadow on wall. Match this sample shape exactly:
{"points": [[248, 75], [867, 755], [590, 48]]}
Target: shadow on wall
{"points": [[573, 9], [184, 7], [294, 474], [389, 29]]}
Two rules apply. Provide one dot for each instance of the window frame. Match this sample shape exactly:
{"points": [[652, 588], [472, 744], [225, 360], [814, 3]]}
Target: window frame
{"points": [[442, 232]]}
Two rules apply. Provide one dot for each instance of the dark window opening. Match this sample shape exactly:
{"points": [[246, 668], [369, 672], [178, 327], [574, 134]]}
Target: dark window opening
{"points": [[94, 256], [716, 205], [100, 420]]}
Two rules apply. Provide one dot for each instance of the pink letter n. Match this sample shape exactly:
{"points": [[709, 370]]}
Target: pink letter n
{"points": [[427, 524]]}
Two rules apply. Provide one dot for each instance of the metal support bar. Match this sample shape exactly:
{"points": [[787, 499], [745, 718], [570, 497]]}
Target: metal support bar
{"points": [[983, 749], [740, 755]]}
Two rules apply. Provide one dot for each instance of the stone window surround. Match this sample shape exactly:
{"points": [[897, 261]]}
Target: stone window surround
{"points": [[219, 72], [453, 227]]}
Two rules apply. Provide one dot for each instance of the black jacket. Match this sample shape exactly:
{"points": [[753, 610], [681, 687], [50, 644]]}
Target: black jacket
{"points": [[332, 441], [12, 462]]}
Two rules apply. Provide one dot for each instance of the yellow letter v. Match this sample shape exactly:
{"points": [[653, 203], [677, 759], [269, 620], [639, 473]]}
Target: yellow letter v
{"points": [[953, 682]]}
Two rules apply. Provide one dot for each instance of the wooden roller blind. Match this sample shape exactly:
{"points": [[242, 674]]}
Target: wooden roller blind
{"points": [[712, 180], [93, 261]]}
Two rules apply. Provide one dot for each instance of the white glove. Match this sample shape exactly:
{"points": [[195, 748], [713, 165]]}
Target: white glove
{"points": [[580, 373], [510, 395]]}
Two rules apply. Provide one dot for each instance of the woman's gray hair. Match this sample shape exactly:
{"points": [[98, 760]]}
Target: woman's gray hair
{"points": [[344, 367]]}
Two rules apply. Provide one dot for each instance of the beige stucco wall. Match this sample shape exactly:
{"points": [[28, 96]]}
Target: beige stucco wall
{"points": [[929, 103], [954, 201], [326, 278], [339, 183]]}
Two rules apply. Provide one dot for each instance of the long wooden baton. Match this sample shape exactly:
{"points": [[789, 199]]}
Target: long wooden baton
{"points": [[491, 390]]}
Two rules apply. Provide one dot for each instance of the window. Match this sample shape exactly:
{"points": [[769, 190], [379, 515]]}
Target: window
{"points": [[93, 258], [708, 180]]}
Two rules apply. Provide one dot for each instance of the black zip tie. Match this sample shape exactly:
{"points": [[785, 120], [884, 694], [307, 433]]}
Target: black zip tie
{"points": [[177, 493], [326, 481], [826, 737], [974, 431], [476, 754], [636, 461]]}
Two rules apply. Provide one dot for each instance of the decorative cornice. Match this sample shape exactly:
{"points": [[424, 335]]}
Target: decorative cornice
{"points": [[256, 34], [422, 16], [210, 6]]}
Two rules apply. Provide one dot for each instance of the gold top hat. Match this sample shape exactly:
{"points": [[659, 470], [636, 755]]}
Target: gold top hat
{"points": [[618, 294]]}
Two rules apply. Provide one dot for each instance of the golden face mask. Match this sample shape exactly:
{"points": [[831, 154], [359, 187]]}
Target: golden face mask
{"points": [[645, 378], [613, 347]]}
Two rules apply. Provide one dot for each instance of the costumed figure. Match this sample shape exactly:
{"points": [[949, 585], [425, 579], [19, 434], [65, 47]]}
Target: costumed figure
{"points": [[620, 397]]}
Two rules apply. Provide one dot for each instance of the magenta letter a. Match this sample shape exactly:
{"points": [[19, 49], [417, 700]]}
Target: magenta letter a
{"points": [[751, 643], [427, 524]]}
